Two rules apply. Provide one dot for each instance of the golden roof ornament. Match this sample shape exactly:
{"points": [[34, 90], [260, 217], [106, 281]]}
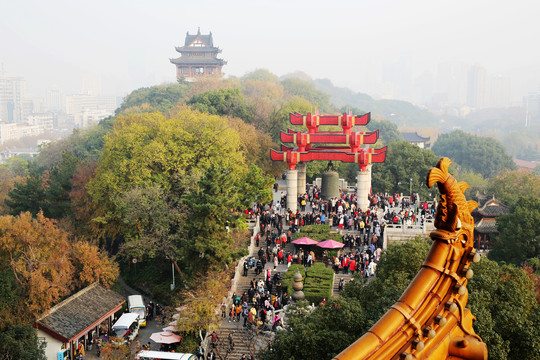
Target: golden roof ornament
{"points": [[430, 320]]}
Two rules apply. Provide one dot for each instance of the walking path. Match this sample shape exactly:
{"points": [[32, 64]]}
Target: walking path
{"points": [[245, 341]]}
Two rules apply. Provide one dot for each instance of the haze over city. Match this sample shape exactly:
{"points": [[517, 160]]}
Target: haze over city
{"points": [[383, 48]]}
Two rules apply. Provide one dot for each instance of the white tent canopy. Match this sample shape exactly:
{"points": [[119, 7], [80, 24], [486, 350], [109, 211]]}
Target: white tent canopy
{"points": [[148, 354], [125, 321]]}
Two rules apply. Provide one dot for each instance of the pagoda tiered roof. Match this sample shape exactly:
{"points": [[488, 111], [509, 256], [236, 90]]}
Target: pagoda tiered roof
{"points": [[200, 49], [198, 57], [486, 226], [493, 208], [197, 60]]}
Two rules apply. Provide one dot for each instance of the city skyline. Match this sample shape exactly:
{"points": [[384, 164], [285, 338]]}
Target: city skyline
{"points": [[366, 47]]}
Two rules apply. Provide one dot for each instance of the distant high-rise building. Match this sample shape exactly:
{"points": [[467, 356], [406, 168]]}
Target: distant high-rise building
{"points": [[396, 75], [199, 58], [12, 99], [451, 83], [531, 103], [55, 100], [91, 84], [423, 87], [476, 87], [499, 94], [85, 109]]}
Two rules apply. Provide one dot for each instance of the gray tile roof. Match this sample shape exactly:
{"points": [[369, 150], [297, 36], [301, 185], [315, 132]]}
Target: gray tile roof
{"points": [[486, 226], [206, 39], [198, 49], [493, 208], [80, 312], [414, 137]]}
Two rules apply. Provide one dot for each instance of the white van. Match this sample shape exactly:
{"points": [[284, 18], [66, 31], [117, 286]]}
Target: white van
{"points": [[148, 354], [136, 305], [126, 327]]}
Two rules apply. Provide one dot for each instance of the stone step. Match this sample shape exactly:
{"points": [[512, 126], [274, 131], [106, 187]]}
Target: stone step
{"points": [[242, 339], [346, 278]]}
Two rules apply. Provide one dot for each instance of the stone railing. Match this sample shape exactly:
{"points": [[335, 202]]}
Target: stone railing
{"points": [[406, 228]]}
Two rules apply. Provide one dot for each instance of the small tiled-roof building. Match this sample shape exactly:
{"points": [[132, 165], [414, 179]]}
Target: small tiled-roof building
{"points": [[485, 226], [198, 58], [414, 138], [75, 319]]}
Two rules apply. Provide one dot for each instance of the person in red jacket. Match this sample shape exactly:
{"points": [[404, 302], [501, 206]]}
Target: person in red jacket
{"points": [[345, 264], [352, 265]]}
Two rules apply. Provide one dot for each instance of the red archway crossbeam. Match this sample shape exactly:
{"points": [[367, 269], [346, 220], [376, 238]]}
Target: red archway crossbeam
{"points": [[364, 157], [304, 140], [346, 121]]}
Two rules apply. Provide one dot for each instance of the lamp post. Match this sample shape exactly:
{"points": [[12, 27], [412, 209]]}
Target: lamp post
{"points": [[410, 187], [173, 285]]}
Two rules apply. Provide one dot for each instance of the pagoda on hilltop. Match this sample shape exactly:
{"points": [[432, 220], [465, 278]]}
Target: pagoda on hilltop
{"points": [[198, 58]]}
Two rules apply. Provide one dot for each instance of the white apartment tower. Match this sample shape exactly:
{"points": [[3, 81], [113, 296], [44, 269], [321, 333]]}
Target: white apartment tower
{"points": [[12, 99]]}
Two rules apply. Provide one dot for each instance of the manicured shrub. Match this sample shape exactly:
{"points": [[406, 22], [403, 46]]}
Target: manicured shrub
{"points": [[317, 281]]}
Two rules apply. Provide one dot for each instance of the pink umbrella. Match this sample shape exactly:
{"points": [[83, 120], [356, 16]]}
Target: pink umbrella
{"points": [[169, 328], [165, 337], [330, 244], [305, 241]]}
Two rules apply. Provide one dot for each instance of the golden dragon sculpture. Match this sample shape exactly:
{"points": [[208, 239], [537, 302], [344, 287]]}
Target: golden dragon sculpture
{"points": [[430, 320]]}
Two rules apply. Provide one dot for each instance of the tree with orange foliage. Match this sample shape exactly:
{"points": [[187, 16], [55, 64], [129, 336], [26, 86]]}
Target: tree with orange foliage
{"points": [[38, 254], [46, 265], [91, 265]]}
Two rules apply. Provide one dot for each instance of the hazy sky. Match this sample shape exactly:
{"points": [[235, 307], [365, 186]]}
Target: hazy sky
{"points": [[129, 43]]}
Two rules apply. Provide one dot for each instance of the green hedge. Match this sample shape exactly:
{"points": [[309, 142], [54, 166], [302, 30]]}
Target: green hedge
{"points": [[317, 281], [317, 229], [318, 233]]}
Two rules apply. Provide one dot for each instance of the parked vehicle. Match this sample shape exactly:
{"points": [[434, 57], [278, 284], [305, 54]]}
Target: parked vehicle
{"points": [[126, 327], [136, 305]]}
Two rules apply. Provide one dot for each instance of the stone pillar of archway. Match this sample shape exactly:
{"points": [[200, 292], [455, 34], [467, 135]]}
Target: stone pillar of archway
{"points": [[292, 190], [363, 185], [301, 168]]}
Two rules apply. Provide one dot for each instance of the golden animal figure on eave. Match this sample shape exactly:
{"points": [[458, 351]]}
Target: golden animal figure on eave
{"points": [[430, 320]]}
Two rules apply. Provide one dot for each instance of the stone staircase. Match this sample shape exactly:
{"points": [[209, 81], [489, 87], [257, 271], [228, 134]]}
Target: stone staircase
{"points": [[346, 277], [248, 342], [242, 340]]}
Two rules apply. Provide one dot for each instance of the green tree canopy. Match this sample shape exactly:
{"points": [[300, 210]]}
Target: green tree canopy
{"points": [[163, 181], [502, 298], [261, 75], [404, 161], [519, 237], [161, 97], [508, 186], [483, 155], [308, 91], [20, 342], [27, 196], [228, 102], [388, 131]]}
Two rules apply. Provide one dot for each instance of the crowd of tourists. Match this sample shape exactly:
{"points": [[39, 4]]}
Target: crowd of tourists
{"points": [[362, 234]]}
